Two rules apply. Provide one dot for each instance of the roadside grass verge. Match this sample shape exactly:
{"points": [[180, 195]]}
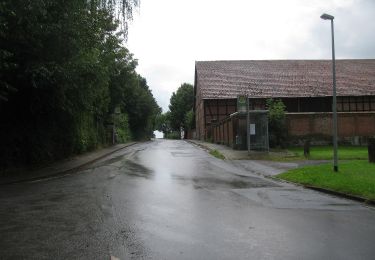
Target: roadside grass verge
{"points": [[316, 153], [217, 154], [326, 152], [354, 178], [275, 155]]}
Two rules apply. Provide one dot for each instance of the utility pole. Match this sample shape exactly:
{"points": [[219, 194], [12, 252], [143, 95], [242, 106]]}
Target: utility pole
{"points": [[248, 123], [334, 101]]}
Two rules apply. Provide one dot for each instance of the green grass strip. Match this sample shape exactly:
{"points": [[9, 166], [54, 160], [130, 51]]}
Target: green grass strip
{"points": [[354, 177]]}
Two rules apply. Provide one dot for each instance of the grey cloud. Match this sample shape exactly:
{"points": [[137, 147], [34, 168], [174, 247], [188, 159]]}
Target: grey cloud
{"points": [[356, 38], [161, 78], [354, 34]]}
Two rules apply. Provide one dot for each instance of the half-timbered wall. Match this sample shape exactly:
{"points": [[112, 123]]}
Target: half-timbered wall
{"points": [[216, 110], [354, 104], [211, 111]]}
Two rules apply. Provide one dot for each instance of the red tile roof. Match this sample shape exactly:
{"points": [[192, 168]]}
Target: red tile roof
{"points": [[284, 78]]}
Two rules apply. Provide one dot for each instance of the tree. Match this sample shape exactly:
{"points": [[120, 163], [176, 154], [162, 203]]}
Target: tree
{"points": [[142, 110], [63, 70], [277, 123], [190, 120], [162, 123], [181, 103], [123, 9]]}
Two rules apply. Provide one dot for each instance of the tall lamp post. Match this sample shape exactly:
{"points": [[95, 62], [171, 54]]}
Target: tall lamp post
{"points": [[335, 164]]}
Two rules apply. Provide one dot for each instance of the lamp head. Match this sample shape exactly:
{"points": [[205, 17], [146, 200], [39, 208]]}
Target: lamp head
{"points": [[327, 17]]}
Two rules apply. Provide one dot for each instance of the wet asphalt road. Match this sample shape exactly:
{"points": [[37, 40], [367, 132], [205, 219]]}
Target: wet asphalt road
{"points": [[171, 200]]}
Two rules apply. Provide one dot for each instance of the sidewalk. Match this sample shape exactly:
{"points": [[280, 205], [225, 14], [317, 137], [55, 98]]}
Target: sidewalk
{"points": [[264, 163], [62, 167], [232, 154], [255, 162], [228, 152], [269, 169]]}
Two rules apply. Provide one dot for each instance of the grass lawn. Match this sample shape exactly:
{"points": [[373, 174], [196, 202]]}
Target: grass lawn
{"points": [[326, 152], [355, 177]]}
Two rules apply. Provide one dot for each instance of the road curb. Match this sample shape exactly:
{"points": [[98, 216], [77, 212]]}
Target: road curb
{"points": [[328, 191], [198, 144], [208, 149], [343, 195], [67, 171]]}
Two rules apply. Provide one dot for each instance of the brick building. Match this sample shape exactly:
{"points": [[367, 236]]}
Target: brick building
{"points": [[305, 87]]}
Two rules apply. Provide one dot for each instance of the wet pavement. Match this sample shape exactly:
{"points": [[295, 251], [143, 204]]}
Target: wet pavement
{"points": [[56, 169], [172, 200]]}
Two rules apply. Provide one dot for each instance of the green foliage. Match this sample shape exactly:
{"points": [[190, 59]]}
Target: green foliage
{"points": [[180, 115], [142, 110], [181, 103], [123, 9], [85, 135], [162, 123], [190, 119], [277, 123], [173, 135], [355, 177], [122, 128], [217, 154], [63, 70]]}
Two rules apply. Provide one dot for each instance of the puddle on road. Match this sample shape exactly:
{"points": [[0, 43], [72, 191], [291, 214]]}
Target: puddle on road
{"points": [[134, 169], [182, 154], [127, 166], [240, 184], [56, 198], [113, 160], [216, 183], [220, 182]]}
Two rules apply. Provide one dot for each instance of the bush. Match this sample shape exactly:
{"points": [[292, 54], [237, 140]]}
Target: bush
{"points": [[122, 128], [173, 135], [277, 123]]}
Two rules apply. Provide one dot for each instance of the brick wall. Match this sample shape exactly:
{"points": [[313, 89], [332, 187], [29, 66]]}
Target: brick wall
{"points": [[349, 124]]}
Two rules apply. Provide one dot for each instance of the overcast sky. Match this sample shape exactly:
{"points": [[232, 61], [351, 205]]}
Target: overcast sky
{"points": [[168, 36]]}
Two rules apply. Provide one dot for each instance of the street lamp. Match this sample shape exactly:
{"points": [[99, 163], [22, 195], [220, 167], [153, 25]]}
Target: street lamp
{"points": [[335, 164]]}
